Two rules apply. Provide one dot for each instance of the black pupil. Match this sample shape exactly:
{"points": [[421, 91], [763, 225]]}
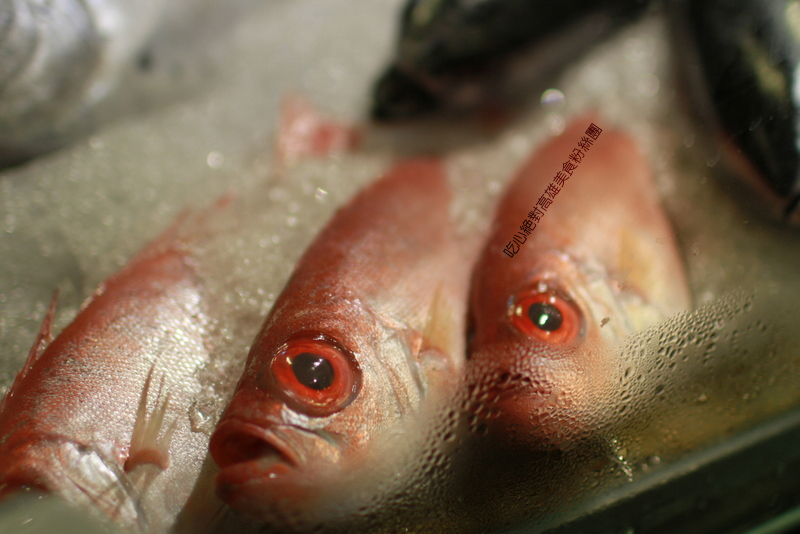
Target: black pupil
{"points": [[545, 316], [313, 371]]}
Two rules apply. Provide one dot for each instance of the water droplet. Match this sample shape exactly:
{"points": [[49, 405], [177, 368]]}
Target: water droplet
{"points": [[215, 159], [293, 207], [702, 398], [276, 239], [201, 418], [291, 221], [493, 187], [553, 99], [320, 194], [688, 140], [695, 249], [95, 143]]}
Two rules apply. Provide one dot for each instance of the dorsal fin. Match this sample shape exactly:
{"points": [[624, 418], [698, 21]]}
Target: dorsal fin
{"points": [[304, 132], [43, 339]]}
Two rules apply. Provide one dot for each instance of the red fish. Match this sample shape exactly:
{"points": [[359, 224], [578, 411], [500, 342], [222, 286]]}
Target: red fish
{"points": [[99, 416], [368, 330], [601, 263]]}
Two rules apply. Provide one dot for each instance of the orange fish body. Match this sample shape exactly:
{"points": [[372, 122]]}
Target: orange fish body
{"points": [[368, 330], [100, 416], [600, 263]]}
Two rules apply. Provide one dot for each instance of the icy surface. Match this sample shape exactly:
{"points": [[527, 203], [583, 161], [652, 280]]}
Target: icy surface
{"points": [[70, 219]]}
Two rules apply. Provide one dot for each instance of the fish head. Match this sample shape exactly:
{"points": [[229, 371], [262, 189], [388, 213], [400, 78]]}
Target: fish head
{"points": [[366, 335], [316, 405], [549, 322]]}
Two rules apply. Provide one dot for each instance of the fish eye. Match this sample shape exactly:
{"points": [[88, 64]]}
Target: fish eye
{"points": [[547, 316], [315, 376], [313, 371]]}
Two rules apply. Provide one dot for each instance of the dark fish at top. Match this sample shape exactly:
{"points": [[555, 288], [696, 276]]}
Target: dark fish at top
{"points": [[459, 53], [745, 78]]}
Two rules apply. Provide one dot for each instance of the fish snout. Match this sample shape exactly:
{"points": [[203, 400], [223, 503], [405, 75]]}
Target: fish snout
{"points": [[266, 464], [239, 442]]}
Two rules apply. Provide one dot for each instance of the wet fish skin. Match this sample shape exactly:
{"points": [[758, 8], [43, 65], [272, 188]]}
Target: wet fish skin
{"points": [[740, 68], [381, 295], [604, 256], [461, 53], [100, 417]]}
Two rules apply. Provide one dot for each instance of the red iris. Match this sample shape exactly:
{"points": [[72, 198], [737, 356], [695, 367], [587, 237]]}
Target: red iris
{"points": [[547, 316], [315, 376]]}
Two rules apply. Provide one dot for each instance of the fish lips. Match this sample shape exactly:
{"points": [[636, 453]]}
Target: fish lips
{"points": [[262, 465]]}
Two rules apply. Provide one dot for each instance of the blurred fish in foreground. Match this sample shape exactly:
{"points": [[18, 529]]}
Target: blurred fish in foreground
{"points": [[68, 66], [598, 263], [367, 334], [740, 63], [59, 59]]}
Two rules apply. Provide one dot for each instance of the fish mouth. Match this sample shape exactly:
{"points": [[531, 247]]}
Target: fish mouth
{"points": [[256, 461]]}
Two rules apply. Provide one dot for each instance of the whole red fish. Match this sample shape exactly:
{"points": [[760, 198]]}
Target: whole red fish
{"points": [[369, 329], [100, 415], [595, 261]]}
